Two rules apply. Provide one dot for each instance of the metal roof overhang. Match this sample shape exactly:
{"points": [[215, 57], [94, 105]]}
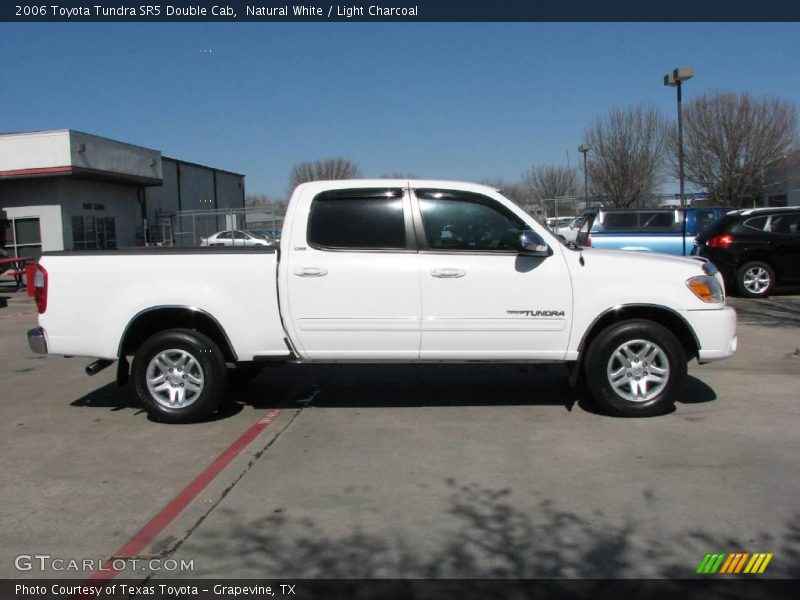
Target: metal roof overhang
{"points": [[81, 173]]}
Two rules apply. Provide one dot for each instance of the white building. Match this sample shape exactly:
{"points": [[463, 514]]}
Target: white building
{"points": [[68, 190]]}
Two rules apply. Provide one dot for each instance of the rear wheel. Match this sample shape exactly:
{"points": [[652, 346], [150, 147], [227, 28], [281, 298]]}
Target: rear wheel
{"points": [[179, 376], [755, 279], [635, 369]]}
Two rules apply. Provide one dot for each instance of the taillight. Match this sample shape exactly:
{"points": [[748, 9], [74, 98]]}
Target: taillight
{"points": [[720, 241], [40, 289], [588, 241]]}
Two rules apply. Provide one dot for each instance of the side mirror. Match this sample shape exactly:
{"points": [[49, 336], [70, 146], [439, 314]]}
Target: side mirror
{"points": [[532, 244]]}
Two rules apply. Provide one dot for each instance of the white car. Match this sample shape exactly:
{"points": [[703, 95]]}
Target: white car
{"points": [[389, 271], [559, 223], [236, 238]]}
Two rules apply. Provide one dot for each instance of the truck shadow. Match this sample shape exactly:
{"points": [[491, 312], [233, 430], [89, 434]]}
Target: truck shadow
{"points": [[411, 385], [115, 399], [775, 311], [385, 386], [429, 385]]}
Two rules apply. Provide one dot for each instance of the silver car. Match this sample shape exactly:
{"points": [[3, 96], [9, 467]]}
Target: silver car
{"points": [[236, 238]]}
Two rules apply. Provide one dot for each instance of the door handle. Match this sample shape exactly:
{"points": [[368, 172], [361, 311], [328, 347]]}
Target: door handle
{"points": [[311, 272], [448, 273]]}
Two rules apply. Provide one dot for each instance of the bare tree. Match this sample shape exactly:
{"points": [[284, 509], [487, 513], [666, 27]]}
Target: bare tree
{"points": [[256, 200], [731, 139], [628, 152], [398, 176], [517, 191], [323, 170], [263, 201], [546, 182]]}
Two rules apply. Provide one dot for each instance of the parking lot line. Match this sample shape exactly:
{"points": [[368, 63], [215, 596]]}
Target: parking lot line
{"points": [[19, 314], [166, 515]]}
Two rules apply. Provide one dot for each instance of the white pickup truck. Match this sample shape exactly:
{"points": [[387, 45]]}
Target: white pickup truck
{"points": [[386, 271]]}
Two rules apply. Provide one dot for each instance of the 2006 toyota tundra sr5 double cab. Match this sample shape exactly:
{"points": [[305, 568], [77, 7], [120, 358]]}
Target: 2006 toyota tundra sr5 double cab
{"points": [[387, 271]]}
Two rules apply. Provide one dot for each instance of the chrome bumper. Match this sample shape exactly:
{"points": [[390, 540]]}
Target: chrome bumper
{"points": [[37, 341]]}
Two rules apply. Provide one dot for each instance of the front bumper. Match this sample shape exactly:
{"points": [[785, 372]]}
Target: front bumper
{"points": [[715, 331], [37, 341]]}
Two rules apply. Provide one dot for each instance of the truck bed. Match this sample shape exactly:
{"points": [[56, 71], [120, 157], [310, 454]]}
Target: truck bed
{"points": [[101, 292]]}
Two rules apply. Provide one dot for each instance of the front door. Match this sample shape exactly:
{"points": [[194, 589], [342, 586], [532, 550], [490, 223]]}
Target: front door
{"points": [[482, 300], [784, 245]]}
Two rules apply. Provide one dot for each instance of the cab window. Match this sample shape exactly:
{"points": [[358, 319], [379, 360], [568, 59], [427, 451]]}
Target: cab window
{"points": [[467, 222], [357, 220]]}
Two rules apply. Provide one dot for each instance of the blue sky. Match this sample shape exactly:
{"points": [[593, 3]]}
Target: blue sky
{"points": [[444, 100]]}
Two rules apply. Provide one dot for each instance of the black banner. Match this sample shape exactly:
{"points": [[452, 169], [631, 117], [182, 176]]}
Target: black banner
{"points": [[700, 588], [400, 10]]}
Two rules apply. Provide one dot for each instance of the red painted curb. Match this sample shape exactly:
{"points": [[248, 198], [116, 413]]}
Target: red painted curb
{"points": [[156, 525]]}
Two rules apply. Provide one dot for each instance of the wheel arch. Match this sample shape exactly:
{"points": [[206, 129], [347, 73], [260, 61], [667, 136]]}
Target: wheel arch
{"points": [[152, 320], [759, 258], [758, 255], [661, 315]]}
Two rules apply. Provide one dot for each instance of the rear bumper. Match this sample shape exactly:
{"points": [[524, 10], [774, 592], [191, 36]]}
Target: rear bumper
{"points": [[715, 331], [37, 341], [725, 261]]}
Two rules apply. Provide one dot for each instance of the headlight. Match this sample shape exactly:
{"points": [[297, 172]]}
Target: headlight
{"points": [[707, 288]]}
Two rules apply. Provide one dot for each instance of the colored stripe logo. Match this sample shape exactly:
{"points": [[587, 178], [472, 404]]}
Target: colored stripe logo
{"points": [[734, 563]]}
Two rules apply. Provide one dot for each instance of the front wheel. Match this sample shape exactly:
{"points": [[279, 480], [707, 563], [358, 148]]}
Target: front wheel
{"points": [[179, 376], [635, 369]]}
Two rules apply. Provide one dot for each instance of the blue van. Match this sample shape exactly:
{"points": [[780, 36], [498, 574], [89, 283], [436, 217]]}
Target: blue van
{"points": [[667, 230]]}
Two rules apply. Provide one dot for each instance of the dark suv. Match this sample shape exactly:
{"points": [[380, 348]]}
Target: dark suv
{"points": [[755, 249]]}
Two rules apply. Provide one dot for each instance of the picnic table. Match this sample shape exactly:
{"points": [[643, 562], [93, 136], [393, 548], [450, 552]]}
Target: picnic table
{"points": [[17, 264]]}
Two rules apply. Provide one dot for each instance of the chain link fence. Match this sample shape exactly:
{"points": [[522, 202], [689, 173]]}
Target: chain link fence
{"points": [[187, 228]]}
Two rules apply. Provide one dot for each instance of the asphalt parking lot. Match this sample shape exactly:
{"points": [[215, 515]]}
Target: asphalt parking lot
{"points": [[406, 471]]}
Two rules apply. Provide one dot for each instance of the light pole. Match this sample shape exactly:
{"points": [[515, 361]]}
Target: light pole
{"points": [[675, 79], [584, 149]]}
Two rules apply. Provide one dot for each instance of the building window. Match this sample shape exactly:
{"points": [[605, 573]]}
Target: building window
{"points": [[21, 237], [92, 233]]}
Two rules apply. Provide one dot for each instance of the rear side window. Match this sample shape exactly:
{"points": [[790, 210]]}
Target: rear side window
{"points": [[785, 223], [358, 220], [758, 223], [644, 221], [621, 221], [656, 220]]}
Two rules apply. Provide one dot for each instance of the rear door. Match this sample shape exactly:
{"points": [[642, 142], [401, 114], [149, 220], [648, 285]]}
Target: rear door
{"points": [[352, 279], [224, 238], [481, 300], [784, 245]]}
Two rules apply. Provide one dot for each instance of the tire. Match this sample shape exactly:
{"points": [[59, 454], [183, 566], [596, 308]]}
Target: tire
{"points": [[179, 376], [755, 279], [652, 355]]}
